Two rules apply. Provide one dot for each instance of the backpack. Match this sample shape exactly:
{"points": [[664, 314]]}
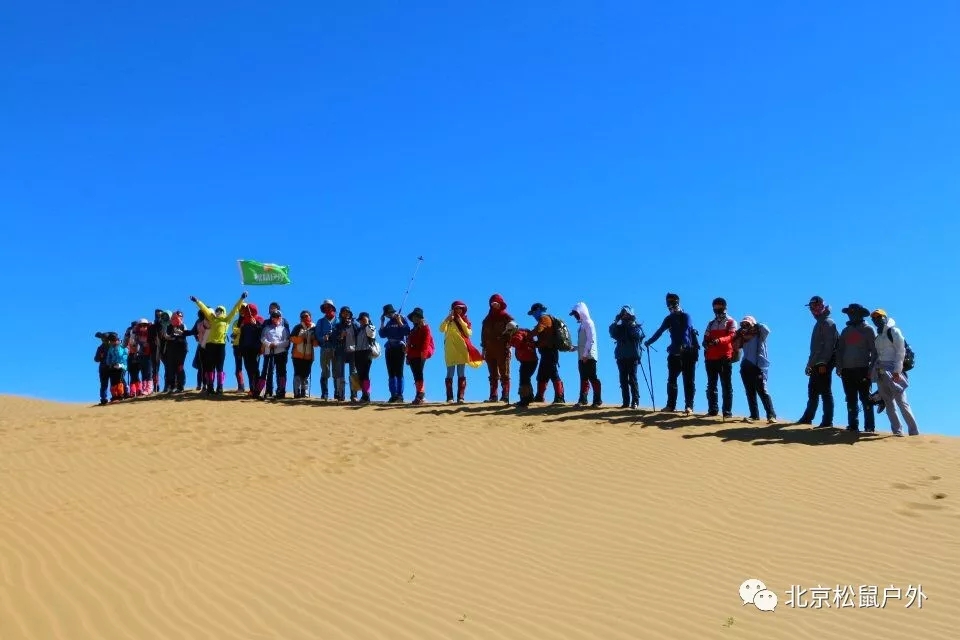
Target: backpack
{"points": [[561, 336], [908, 355]]}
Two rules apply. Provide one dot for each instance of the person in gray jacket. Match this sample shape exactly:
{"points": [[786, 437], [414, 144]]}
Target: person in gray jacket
{"points": [[856, 357], [822, 360]]}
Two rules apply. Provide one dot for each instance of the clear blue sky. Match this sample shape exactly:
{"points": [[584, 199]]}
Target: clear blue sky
{"points": [[550, 151]]}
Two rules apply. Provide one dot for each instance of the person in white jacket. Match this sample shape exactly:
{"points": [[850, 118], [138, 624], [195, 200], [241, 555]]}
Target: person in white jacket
{"points": [[275, 340], [889, 375], [587, 355]]}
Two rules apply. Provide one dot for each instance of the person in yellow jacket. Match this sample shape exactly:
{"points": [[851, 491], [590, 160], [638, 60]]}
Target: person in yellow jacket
{"points": [[215, 351], [304, 342], [458, 351]]}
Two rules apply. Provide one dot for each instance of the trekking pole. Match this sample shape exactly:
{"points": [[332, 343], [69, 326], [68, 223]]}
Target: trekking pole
{"points": [[650, 383], [410, 285]]}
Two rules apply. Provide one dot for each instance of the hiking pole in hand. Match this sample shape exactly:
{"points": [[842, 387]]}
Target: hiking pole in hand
{"points": [[410, 285], [650, 383]]}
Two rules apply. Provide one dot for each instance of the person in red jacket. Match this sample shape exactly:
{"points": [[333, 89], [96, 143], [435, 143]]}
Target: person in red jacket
{"points": [[420, 348], [525, 350], [718, 358]]}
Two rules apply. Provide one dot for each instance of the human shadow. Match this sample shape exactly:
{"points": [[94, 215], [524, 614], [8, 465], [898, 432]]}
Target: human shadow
{"points": [[782, 433]]}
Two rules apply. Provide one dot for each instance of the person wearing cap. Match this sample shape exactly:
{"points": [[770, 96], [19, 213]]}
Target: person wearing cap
{"points": [[587, 354], [856, 356], [458, 350], [251, 331], [304, 341], [755, 366], [343, 337], [525, 350], [395, 329], [682, 354], [322, 332], [215, 349], [718, 358], [493, 346], [420, 347], [628, 336], [175, 353], [820, 364], [549, 369], [891, 378]]}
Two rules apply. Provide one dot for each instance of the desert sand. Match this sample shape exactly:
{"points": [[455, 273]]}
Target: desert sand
{"points": [[194, 518]]}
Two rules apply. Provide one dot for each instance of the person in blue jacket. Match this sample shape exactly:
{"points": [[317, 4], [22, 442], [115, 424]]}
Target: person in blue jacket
{"points": [[682, 354], [115, 360], [628, 335], [395, 329]]}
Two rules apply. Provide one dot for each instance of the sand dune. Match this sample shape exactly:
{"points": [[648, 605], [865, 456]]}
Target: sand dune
{"points": [[236, 519]]}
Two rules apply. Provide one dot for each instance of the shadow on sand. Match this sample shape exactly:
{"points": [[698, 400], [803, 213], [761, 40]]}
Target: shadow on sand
{"points": [[789, 434], [730, 431]]}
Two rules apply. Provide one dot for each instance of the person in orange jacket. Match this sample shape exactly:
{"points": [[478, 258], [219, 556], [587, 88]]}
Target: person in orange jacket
{"points": [[304, 341]]}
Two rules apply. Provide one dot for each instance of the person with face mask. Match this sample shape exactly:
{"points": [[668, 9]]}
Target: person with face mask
{"points": [[216, 349], [323, 332], [682, 354], [822, 359], [718, 358], [856, 357], [420, 348], [175, 353], [140, 359], [889, 374]]}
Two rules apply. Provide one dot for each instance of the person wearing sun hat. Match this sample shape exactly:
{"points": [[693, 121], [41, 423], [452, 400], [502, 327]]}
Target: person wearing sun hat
{"points": [[322, 331], [304, 341], [820, 363], [891, 379], [458, 350], [420, 348], [682, 353], [856, 355], [754, 367]]}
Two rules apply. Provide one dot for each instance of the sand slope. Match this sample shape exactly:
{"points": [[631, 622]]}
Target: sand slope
{"points": [[235, 519]]}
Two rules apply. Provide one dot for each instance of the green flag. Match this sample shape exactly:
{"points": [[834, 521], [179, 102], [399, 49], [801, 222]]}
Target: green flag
{"points": [[263, 273]]}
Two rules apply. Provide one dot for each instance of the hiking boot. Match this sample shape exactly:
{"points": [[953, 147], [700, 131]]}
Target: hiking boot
{"points": [[688, 411], [448, 383], [727, 414], [582, 400], [418, 399], [772, 420]]}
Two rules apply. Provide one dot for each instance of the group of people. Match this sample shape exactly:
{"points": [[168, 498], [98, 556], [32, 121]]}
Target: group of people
{"points": [[347, 346]]}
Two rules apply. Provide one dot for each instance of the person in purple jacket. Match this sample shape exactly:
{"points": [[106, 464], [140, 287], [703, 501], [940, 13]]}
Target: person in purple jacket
{"points": [[682, 354]]}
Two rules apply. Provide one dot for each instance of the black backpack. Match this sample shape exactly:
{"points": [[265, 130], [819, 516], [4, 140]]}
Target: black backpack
{"points": [[908, 355], [561, 336]]}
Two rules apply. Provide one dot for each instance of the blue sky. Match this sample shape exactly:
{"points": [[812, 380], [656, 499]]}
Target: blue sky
{"points": [[550, 151]]}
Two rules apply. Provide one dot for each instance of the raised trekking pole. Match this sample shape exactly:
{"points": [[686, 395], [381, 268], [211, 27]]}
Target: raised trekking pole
{"points": [[410, 285]]}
